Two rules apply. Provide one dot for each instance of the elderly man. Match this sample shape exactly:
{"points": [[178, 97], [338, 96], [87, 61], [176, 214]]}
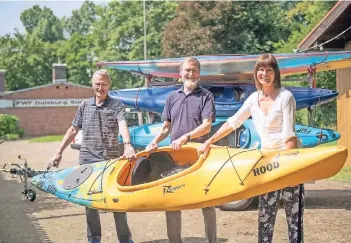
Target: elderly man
{"points": [[188, 115], [100, 117]]}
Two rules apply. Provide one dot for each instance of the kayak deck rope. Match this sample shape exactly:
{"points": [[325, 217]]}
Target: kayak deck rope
{"points": [[90, 191], [101, 175], [207, 189]]}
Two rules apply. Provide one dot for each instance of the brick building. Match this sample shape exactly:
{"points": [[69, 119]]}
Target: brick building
{"points": [[47, 109]]}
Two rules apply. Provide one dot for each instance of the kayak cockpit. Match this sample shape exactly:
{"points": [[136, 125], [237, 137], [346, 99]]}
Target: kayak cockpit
{"points": [[150, 169]]}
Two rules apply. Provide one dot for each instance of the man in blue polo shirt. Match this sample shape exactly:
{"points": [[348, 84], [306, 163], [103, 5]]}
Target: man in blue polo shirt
{"points": [[100, 118], [188, 115]]}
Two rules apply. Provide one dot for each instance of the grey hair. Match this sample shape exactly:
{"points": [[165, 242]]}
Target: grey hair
{"points": [[102, 72], [189, 59]]}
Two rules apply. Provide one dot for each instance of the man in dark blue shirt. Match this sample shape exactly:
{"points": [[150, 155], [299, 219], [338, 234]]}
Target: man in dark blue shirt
{"points": [[188, 115]]}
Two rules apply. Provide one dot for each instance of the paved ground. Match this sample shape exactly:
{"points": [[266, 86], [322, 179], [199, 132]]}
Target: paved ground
{"points": [[48, 219]]}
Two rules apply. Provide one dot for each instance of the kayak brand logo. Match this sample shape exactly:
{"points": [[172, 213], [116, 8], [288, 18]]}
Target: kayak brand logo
{"points": [[171, 189], [304, 130], [269, 167], [51, 189], [40, 184], [263, 169], [292, 154]]}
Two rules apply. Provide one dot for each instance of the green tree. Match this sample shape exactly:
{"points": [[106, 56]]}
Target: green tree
{"points": [[28, 57], [27, 61], [225, 27], [323, 115], [82, 20], [303, 18], [77, 54], [42, 23], [119, 34]]}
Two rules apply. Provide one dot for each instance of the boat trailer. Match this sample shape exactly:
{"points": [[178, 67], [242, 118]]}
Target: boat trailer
{"points": [[25, 173]]}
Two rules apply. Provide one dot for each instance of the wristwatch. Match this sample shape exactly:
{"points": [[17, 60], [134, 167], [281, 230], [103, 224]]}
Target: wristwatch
{"points": [[188, 137]]}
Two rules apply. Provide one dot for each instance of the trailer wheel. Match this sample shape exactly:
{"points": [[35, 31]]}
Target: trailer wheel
{"points": [[31, 195]]}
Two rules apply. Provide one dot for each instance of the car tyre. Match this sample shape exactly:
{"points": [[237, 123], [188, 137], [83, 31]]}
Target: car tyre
{"points": [[239, 205]]}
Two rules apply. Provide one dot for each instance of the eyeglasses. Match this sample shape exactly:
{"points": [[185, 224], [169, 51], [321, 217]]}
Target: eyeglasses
{"points": [[96, 86]]}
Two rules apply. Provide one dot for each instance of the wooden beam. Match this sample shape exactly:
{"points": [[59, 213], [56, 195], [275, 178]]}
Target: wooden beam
{"points": [[324, 24]]}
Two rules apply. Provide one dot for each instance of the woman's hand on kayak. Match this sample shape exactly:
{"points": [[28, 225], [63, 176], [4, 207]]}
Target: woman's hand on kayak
{"points": [[204, 149]]}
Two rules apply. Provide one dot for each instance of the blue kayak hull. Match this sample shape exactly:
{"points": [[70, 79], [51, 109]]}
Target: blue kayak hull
{"points": [[228, 97], [244, 137]]}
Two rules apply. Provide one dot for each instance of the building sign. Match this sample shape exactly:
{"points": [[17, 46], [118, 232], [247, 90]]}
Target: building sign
{"points": [[29, 103]]}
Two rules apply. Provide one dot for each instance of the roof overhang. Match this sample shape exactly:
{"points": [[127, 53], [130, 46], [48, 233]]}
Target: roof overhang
{"points": [[6, 93], [336, 21]]}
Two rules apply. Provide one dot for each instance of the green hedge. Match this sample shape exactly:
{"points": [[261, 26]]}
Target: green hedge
{"points": [[9, 127]]}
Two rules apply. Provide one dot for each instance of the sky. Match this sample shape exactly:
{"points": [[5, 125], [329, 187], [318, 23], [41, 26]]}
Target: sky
{"points": [[10, 12]]}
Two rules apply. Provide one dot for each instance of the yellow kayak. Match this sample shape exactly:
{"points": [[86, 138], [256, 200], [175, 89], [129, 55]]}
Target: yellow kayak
{"points": [[167, 179]]}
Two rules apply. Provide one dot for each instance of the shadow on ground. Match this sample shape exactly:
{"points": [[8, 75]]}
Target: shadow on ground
{"points": [[187, 240], [18, 223], [328, 199]]}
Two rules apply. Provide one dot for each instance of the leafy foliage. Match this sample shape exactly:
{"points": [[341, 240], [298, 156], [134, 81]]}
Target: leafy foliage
{"points": [[225, 27], [119, 34], [322, 115], [42, 23], [81, 20], [9, 127], [303, 18], [115, 31], [27, 60], [77, 54]]}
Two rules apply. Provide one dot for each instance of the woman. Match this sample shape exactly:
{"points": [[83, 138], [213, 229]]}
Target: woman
{"points": [[272, 108]]}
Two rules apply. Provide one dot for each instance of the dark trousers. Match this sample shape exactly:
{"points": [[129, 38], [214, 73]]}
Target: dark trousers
{"points": [[94, 226], [294, 204], [174, 225]]}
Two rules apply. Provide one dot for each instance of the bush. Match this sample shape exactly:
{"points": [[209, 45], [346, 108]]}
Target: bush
{"points": [[9, 127], [12, 136]]}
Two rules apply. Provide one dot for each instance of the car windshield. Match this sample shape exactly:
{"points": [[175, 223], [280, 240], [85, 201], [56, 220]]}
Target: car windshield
{"points": [[132, 119]]}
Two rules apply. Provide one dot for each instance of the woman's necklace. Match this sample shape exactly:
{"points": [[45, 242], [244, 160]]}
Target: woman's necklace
{"points": [[266, 96]]}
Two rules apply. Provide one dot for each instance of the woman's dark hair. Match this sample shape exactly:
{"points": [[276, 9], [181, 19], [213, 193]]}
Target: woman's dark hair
{"points": [[265, 60]]}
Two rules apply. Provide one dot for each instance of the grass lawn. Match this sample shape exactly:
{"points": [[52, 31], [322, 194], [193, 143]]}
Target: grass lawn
{"points": [[335, 143], [344, 175], [53, 138]]}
